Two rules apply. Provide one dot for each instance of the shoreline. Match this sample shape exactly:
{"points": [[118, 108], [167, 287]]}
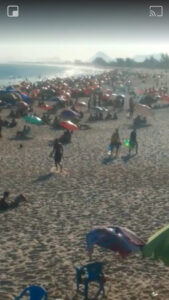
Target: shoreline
{"points": [[91, 70]]}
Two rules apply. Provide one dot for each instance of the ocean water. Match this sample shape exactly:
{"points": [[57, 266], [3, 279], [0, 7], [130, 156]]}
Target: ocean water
{"points": [[14, 73]]}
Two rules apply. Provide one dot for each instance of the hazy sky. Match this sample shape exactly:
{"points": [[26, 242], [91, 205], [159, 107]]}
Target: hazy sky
{"points": [[77, 30]]}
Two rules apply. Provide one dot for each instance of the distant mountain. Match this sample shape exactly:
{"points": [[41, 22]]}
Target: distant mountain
{"points": [[101, 55], [141, 58]]}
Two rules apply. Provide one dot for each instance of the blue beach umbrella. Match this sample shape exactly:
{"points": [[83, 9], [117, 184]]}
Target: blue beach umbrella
{"points": [[69, 114], [25, 98]]}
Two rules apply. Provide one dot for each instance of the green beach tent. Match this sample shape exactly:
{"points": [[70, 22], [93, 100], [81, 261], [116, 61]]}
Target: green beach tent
{"points": [[157, 246]]}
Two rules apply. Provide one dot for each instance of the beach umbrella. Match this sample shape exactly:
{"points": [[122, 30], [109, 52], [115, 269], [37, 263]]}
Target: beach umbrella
{"points": [[25, 98], [113, 95], [121, 96], [115, 238], [105, 109], [10, 88], [140, 91], [165, 98], [81, 106], [98, 108], [33, 120], [142, 109], [46, 107], [9, 100], [69, 114], [23, 104], [87, 92], [58, 99], [105, 97], [157, 246], [55, 99], [69, 125], [16, 96], [67, 95]]}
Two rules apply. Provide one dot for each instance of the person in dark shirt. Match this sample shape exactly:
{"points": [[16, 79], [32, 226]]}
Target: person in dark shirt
{"points": [[133, 141]]}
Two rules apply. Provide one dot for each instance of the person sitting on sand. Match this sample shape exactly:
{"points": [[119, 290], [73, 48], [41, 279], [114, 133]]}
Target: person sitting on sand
{"points": [[115, 142], [58, 153], [139, 121], [12, 124], [81, 114], [25, 131], [46, 119], [100, 116], [40, 102], [115, 116], [133, 141], [12, 114], [4, 201], [108, 116], [91, 118]]}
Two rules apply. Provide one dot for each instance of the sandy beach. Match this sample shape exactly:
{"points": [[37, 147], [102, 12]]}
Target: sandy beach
{"points": [[43, 240]]}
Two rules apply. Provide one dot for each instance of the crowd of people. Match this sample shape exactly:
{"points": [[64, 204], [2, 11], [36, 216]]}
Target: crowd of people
{"points": [[104, 102]]}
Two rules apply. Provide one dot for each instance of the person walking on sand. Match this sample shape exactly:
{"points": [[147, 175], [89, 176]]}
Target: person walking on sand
{"points": [[115, 142], [133, 141], [58, 154]]}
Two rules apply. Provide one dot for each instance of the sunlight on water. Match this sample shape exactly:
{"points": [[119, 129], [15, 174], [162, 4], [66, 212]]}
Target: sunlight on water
{"points": [[15, 73]]}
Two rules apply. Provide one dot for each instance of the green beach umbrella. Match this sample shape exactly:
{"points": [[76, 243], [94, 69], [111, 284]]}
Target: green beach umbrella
{"points": [[157, 246], [33, 120]]}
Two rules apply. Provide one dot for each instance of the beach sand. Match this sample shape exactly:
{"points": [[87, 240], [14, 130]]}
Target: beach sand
{"points": [[43, 239]]}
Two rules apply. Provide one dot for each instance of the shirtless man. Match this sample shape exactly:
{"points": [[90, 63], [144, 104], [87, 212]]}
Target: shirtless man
{"points": [[115, 142], [58, 154]]}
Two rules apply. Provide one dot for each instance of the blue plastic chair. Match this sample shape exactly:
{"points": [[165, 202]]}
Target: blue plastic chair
{"points": [[35, 293], [90, 273]]}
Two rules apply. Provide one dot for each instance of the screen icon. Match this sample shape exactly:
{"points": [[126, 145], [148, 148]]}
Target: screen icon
{"points": [[13, 11], [156, 11]]}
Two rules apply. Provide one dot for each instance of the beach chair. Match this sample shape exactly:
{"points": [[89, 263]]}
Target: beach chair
{"points": [[90, 273], [35, 293]]}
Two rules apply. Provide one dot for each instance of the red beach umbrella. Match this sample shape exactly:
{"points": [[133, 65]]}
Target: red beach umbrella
{"points": [[115, 238], [165, 98], [46, 107], [69, 125]]}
